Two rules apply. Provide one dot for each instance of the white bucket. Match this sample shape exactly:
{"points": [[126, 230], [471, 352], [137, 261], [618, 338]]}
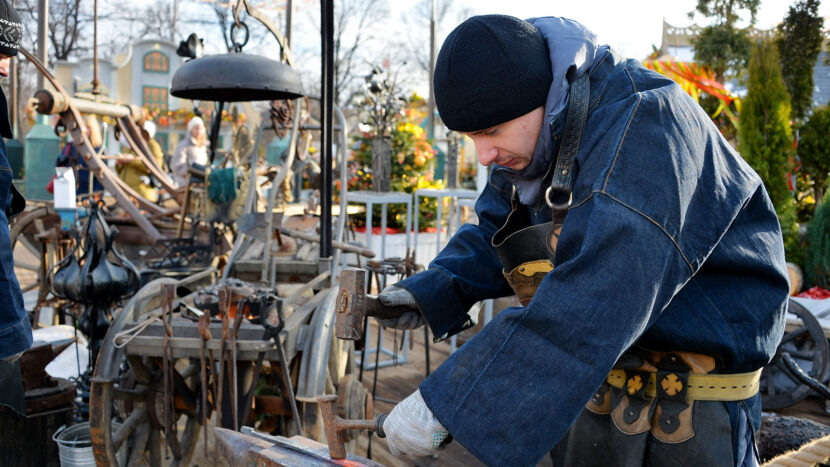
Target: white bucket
{"points": [[75, 445]]}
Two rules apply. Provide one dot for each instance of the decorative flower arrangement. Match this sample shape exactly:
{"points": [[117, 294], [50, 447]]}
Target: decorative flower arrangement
{"points": [[182, 116], [411, 168]]}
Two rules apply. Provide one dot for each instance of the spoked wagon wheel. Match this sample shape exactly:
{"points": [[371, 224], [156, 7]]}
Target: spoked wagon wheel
{"points": [[138, 394], [28, 254], [808, 346]]}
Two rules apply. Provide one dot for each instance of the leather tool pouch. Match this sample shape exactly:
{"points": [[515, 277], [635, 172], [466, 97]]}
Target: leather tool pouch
{"points": [[669, 415], [523, 252], [630, 406], [672, 420]]}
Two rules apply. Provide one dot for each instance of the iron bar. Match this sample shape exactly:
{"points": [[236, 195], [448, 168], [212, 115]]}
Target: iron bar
{"points": [[326, 180]]}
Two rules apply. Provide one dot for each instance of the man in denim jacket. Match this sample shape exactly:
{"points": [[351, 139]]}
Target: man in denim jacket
{"points": [[15, 330], [666, 275]]}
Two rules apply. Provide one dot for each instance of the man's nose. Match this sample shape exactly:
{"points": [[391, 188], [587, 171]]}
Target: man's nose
{"points": [[487, 153]]}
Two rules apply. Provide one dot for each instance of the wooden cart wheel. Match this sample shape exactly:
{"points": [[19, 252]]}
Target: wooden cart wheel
{"points": [[139, 398], [138, 393], [29, 258], [808, 346]]}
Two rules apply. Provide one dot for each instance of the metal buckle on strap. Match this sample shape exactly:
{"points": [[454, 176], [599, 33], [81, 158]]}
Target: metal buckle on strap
{"points": [[557, 206]]}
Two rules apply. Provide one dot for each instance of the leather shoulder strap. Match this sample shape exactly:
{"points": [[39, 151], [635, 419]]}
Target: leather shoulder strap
{"points": [[558, 195]]}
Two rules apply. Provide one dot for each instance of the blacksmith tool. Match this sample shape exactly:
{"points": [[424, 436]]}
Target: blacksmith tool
{"points": [[354, 304], [204, 333], [168, 295], [225, 307], [237, 323], [264, 318], [334, 426], [250, 447], [272, 331]]}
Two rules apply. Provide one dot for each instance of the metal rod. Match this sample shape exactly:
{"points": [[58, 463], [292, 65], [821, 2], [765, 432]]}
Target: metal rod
{"points": [[339, 245], [289, 387], [289, 10], [13, 92], [433, 33], [326, 180], [42, 37], [95, 82], [214, 130]]}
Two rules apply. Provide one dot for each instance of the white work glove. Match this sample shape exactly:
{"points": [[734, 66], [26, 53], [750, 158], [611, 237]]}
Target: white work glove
{"points": [[398, 296], [411, 429]]}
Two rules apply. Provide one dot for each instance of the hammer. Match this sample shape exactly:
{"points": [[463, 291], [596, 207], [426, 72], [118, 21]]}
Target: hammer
{"points": [[334, 426], [353, 304]]}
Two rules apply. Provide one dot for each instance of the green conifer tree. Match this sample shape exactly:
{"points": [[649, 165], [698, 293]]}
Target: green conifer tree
{"points": [[765, 137], [799, 41], [814, 149], [722, 45], [817, 262]]}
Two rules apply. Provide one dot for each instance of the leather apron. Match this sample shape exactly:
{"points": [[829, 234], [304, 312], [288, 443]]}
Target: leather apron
{"points": [[620, 426], [527, 252]]}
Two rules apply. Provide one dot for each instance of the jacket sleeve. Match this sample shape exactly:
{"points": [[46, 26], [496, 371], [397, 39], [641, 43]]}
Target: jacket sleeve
{"points": [[510, 393], [467, 270], [178, 164], [137, 164]]}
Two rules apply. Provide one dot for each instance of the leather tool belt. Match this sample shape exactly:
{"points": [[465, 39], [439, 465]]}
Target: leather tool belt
{"points": [[656, 391], [732, 387]]}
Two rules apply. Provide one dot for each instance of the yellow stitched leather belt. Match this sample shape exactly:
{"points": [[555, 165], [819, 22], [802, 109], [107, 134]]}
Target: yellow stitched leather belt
{"points": [[733, 387]]}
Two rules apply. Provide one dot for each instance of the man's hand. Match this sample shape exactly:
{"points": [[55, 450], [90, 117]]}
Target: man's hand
{"points": [[411, 429], [398, 296]]}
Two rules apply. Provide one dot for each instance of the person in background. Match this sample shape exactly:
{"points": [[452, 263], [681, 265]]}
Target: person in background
{"points": [[192, 149], [133, 171], [70, 157], [15, 328]]}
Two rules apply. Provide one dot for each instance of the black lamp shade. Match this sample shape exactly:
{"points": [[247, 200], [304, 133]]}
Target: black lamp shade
{"points": [[236, 77]]}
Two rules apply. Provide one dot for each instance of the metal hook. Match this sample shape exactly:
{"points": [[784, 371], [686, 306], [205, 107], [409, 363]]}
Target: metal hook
{"points": [[237, 46]]}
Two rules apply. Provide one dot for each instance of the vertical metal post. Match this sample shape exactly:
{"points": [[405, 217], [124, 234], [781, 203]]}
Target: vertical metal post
{"points": [[175, 17], [433, 33], [326, 179], [289, 10], [13, 95], [95, 82], [13, 92], [42, 37]]}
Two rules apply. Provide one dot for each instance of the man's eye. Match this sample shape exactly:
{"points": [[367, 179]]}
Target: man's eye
{"points": [[490, 132]]}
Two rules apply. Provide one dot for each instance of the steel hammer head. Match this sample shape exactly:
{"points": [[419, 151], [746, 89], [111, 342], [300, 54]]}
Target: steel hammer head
{"points": [[351, 305], [337, 445]]}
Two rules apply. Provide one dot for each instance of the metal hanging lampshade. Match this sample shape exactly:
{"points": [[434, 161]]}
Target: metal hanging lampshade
{"points": [[236, 77]]}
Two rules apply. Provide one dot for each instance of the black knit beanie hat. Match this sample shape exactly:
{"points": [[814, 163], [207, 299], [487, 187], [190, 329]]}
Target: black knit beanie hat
{"points": [[491, 69], [11, 29]]}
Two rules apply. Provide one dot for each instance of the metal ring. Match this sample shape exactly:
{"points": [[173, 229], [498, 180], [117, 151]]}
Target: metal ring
{"points": [[547, 196], [234, 28], [554, 206]]}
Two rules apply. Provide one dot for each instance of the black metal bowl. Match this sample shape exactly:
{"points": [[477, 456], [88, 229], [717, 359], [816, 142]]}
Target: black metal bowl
{"points": [[236, 77]]}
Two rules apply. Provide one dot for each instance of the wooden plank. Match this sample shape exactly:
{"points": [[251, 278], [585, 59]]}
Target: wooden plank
{"points": [[188, 347]]}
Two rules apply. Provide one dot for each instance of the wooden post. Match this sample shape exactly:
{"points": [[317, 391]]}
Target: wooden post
{"points": [[451, 167], [381, 164]]}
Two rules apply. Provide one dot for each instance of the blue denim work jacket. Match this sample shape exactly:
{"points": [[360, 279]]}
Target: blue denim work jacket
{"points": [[671, 243], [15, 329]]}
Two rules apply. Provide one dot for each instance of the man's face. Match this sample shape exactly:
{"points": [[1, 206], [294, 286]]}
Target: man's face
{"points": [[5, 62], [509, 144]]}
